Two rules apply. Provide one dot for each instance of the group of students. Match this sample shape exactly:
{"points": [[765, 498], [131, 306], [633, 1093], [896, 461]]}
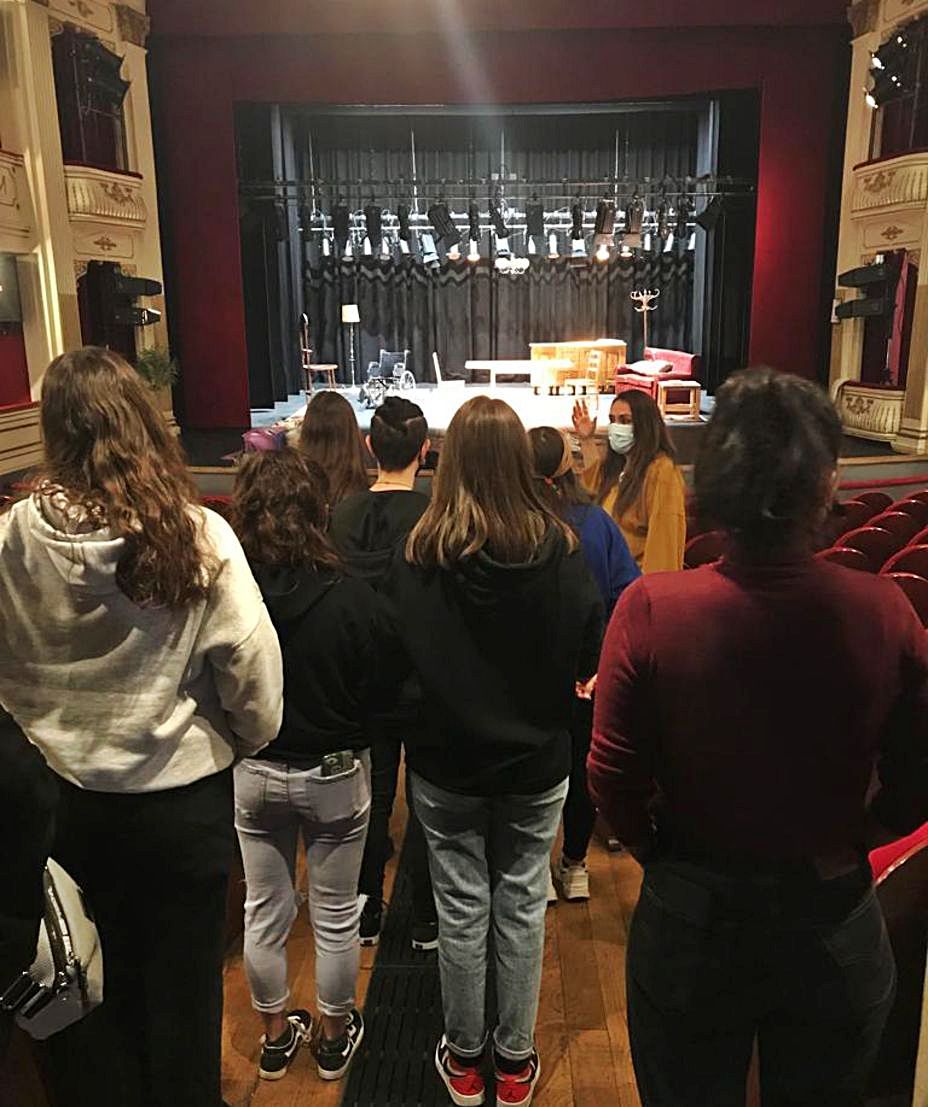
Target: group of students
{"points": [[726, 723]]}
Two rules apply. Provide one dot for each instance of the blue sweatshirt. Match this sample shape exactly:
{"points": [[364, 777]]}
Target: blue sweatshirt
{"points": [[605, 551]]}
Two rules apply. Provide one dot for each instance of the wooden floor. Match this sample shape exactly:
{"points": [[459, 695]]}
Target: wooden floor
{"points": [[581, 1033]]}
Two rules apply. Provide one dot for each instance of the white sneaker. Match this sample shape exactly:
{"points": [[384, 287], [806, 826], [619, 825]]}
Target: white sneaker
{"points": [[552, 891], [573, 881]]}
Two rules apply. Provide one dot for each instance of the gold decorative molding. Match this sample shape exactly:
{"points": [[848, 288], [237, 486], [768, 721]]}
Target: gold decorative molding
{"points": [[44, 3], [87, 13], [892, 232], [16, 220], [95, 242], [901, 181], [863, 17], [867, 412], [133, 26], [103, 197]]}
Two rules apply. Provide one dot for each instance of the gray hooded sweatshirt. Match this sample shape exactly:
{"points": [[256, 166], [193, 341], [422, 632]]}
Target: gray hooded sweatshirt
{"points": [[120, 697]]}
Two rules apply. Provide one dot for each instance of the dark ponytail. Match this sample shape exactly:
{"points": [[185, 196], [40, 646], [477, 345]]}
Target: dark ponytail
{"points": [[766, 459]]}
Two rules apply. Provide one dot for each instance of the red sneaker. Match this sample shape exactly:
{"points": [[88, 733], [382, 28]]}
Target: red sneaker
{"points": [[464, 1083], [518, 1087]]}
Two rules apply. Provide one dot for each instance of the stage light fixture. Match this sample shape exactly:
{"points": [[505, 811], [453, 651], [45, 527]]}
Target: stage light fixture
{"points": [[402, 215], [876, 62], [340, 225], [605, 223], [634, 217], [440, 218], [501, 231], [626, 251], [473, 254], [326, 248], [601, 253], [871, 100], [668, 242], [429, 252], [367, 249], [552, 247], [454, 253], [373, 221]]}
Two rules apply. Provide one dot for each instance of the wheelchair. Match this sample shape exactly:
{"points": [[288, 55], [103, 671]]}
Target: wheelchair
{"points": [[386, 375]]}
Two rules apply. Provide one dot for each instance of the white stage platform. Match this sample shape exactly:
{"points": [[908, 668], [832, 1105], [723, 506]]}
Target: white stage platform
{"points": [[440, 402]]}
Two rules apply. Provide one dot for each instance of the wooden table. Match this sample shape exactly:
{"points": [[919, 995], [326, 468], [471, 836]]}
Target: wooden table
{"points": [[540, 374], [596, 359]]}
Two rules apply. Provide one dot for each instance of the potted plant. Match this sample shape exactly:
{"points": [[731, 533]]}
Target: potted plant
{"points": [[159, 371]]}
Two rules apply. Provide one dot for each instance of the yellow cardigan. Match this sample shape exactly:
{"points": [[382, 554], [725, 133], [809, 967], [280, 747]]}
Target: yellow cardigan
{"points": [[655, 525]]}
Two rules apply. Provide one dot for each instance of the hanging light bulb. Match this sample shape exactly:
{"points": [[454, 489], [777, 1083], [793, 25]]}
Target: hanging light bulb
{"points": [[691, 245], [626, 251], [326, 248], [454, 254], [367, 247], [552, 247], [602, 252], [647, 241], [531, 245], [871, 100], [384, 248], [348, 251], [473, 254], [668, 242]]}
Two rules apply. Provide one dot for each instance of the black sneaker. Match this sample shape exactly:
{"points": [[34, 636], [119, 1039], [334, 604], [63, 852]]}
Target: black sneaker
{"points": [[277, 1055], [424, 934], [333, 1056], [371, 918]]}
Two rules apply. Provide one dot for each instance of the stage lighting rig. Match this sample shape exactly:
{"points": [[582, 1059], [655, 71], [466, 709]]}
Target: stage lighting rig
{"points": [[402, 215], [501, 232], [577, 240], [429, 251], [634, 218], [341, 218], [373, 221], [603, 229], [445, 230]]}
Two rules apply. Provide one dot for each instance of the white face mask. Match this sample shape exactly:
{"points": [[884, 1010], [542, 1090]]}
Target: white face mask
{"points": [[621, 437]]}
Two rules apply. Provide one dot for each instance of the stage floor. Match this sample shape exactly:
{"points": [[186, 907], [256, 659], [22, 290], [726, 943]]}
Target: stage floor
{"points": [[440, 402]]}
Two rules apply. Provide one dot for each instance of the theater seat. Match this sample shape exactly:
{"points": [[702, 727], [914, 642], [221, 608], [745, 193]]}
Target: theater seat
{"points": [[923, 495], [704, 549], [846, 556], [899, 523], [880, 500], [916, 588], [918, 509], [912, 559], [853, 514], [879, 545]]}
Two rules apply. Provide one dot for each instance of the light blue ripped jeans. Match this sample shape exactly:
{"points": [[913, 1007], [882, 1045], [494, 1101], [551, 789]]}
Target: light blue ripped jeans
{"points": [[274, 805]]}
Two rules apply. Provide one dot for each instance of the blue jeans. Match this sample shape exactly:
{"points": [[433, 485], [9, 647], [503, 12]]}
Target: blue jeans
{"points": [[489, 858]]}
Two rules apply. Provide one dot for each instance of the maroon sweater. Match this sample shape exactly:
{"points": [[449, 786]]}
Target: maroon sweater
{"points": [[748, 706]]}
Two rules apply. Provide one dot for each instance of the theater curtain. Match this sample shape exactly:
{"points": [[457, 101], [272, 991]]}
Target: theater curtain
{"points": [[465, 311]]}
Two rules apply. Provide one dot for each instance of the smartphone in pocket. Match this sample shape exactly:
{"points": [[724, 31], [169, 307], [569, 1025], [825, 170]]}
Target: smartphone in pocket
{"points": [[341, 763]]}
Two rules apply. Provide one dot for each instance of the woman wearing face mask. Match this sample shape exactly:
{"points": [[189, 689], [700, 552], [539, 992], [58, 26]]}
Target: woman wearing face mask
{"points": [[637, 482]]}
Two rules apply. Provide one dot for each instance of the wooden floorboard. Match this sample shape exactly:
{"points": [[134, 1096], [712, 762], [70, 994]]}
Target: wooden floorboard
{"points": [[581, 1033]]}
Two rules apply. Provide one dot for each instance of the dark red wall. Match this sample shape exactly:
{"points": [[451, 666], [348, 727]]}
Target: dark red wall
{"points": [[197, 80], [14, 373]]}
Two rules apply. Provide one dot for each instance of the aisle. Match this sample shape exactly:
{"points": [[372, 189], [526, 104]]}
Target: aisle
{"points": [[582, 1035]]}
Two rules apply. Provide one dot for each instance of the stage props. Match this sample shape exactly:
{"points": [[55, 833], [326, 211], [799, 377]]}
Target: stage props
{"points": [[645, 298]]}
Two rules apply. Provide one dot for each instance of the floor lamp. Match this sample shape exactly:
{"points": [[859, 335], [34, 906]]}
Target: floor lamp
{"points": [[350, 318]]}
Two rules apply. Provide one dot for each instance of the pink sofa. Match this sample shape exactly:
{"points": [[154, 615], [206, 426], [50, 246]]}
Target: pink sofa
{"points": [[686, 367]]}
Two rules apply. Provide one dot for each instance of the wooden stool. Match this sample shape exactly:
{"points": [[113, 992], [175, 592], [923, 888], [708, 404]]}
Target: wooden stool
{"points": [[329, 371], [679, 398]]}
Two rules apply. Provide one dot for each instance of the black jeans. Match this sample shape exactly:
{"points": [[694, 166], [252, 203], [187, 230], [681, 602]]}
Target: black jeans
{"points": [[154, 867], [579, 812], [716, 959], [385, 767]]}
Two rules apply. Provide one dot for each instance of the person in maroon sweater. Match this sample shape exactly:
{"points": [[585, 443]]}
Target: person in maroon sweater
{"points": [[742, 710]]}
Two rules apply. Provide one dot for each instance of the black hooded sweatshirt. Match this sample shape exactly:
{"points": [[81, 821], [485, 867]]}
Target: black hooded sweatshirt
{"points": [[328, 625], [497, 649]]}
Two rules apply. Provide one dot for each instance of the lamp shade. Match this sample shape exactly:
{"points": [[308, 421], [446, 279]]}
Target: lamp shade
{"points": [[350, 313]]}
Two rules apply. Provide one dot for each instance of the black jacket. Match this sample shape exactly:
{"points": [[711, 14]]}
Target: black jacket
{"points": [[497, 649], [327, 625], [370, 531]]}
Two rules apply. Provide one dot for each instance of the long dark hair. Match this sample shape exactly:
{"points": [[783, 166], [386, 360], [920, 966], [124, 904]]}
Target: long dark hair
{"points": [[484, 494], [766, 461], [651, 440], [331, 438], [279, 511], [110, 454], [557, 482]]}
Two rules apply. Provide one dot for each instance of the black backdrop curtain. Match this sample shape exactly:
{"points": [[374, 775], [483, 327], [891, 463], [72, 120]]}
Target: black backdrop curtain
{"points": [[464, 311]]}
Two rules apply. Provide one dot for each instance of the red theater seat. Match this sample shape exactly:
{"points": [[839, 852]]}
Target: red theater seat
{"points": [[911, 559], [846, 556], [854, 514], [879, 545], [923, 495], [903, 526], [704, 549], [918, 509], [916, 588], [879, 500]]}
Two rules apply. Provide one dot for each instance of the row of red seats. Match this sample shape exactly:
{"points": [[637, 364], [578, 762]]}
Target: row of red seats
{"points": [[876, 535]]}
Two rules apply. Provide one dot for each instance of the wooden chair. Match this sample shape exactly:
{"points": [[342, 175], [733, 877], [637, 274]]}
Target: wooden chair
{"points": [[879, 545], [306, 361], [846, 556]]}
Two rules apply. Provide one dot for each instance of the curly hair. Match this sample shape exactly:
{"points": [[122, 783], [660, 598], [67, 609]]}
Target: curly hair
{"points": [[279, 511], [330, 437], [766, 464], [110, 454]]}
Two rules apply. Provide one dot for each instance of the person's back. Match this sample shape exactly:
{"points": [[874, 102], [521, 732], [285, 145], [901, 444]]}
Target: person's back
{"points": [[741, 710], [768, 692]]}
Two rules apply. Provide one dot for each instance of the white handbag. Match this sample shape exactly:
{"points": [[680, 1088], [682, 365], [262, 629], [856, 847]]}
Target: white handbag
{"points": [[65, 982]]}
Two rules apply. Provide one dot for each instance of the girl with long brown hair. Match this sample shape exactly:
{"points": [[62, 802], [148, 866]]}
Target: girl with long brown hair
{"points": [[637, 481], [500, 618], [331, 438], [313, 781], [136, 653]]}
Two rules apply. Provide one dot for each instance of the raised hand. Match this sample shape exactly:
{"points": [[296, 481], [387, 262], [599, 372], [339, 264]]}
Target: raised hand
{"points": [[584, 423]]}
